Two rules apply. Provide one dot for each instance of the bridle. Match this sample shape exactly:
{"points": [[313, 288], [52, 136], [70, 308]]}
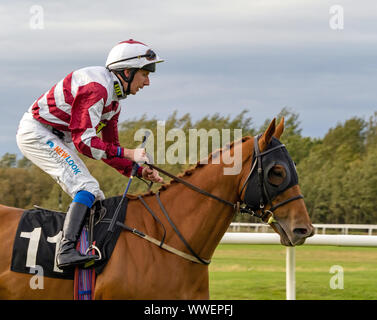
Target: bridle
{"points": [[261, 185], [241, 206]]}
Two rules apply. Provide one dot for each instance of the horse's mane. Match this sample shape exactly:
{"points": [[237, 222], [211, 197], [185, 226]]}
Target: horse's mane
{"points": [[188, 172]]}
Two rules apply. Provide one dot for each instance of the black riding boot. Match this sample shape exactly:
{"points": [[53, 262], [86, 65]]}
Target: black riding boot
{"points": [[67, 255]]}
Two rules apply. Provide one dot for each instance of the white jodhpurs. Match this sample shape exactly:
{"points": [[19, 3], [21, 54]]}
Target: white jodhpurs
{"points": [[56, 157]]}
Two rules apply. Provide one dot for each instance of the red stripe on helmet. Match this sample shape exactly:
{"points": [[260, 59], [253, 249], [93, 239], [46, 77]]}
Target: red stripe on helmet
{"points": [[132, 41]]}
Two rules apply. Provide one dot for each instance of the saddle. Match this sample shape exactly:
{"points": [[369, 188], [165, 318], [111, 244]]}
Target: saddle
{"points": [[39, 232]]}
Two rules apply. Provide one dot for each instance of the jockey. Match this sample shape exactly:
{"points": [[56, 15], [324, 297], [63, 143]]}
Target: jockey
{"points": [[67, 119]]}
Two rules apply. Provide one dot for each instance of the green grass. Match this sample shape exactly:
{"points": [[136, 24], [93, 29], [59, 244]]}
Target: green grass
{"points": [[257, 272]]}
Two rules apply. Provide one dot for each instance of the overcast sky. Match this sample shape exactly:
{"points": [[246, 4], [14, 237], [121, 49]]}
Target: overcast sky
{"points": [[221, 56]]}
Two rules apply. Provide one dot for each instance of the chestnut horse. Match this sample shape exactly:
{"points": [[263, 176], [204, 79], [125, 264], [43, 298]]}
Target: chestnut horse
{"points": [[141, 270]]}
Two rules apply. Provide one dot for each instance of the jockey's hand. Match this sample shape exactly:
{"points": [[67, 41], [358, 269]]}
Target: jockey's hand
{"points": [[137, 155], [151, 175]]}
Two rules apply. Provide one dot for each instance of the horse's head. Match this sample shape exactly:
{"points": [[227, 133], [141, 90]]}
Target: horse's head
{"points": [[271, 191]]}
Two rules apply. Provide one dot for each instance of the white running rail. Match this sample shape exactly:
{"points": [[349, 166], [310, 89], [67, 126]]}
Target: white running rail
{"points": [[345, 228], [317, 239]]}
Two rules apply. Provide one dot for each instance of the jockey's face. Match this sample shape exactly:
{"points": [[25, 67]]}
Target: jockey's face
{"points": [[140, 80]]}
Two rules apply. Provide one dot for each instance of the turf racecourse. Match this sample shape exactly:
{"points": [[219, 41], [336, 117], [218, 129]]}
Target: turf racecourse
{"points": [[257, 272]]}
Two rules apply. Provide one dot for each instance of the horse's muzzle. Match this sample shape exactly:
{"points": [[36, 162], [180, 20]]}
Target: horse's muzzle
{"points": [[295, 237]]}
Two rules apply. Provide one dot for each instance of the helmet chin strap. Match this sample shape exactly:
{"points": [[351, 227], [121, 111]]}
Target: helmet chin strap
{"points": [[128, 79]]}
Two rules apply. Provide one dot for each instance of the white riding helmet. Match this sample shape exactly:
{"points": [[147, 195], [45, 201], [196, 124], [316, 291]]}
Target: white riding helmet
{"points": [[132, 54]]}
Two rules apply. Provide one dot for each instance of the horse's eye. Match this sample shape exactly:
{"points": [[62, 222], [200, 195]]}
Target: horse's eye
{"points": [[276, 175]]}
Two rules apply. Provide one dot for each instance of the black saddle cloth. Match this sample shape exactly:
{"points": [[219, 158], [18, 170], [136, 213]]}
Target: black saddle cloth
{"points": [[37, 237]]}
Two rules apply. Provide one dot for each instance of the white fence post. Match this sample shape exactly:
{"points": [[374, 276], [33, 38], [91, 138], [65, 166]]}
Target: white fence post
{"points": [[290, 273]]}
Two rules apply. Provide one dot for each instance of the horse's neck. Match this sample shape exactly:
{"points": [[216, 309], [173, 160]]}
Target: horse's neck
{"points": [[201, 219]]}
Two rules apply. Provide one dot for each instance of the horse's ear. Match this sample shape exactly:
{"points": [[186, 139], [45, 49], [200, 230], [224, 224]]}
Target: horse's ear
{"points": [[265, 139], [279, 129]]}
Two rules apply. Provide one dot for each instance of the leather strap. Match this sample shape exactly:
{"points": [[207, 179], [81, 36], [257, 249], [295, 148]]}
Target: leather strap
{"points": [[177, 231], [154, 217], [163, 246], [191, 186], [273, 208], [194, 258]]}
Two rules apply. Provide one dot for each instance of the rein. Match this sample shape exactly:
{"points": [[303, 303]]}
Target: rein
{"points": [[192, 187], [236, 206]]}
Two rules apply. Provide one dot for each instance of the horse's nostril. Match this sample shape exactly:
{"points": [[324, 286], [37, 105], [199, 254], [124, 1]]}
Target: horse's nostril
{"points": [[300, 231]]}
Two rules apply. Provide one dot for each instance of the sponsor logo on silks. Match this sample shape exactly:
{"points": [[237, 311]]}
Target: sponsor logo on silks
{"points": [[50, 143], [64, 155]]}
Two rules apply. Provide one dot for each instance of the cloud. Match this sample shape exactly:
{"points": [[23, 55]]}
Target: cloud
{"points": [[221, 56]]}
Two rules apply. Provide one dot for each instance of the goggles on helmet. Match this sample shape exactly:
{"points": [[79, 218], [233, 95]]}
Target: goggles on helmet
{"points": [[150, 55]]}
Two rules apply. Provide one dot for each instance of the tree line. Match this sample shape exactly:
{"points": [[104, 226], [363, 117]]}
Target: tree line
{"points": [[337, 173]]}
